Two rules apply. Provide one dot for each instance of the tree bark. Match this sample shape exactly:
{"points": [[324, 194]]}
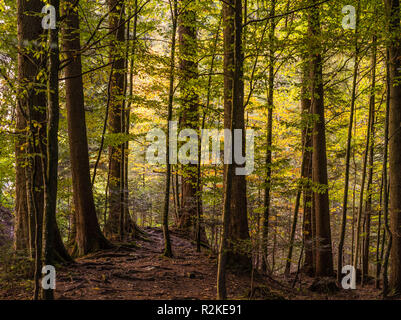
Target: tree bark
{"points": [[238, 233], [31, 118], [348, 154], [269, 138], [393, 16], [117, 56], [308, 223], [166, 234], [88, 235], [368, 206], [324, 258], [188, 112]]}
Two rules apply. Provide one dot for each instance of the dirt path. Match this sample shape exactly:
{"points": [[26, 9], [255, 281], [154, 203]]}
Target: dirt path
{"points": [[142, 273]]}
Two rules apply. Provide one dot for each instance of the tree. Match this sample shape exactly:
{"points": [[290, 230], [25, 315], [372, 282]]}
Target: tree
{"points": [[88, 235], [348, 153], [309, 225], [394, 47], [188, 112], [31, 125], [324, 259], [269, 138], [117, 57], [238, 233], [369, 200], [167, 241]]}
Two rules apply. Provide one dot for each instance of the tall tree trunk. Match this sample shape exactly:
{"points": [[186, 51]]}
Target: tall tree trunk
{"points": [[385, 180], [308, 223], [117, 56], [232, 14], [238, 232], [130, 224], [31, 116], [393, 14], [188, 112], [22, 225], [269, 138], [51, 172], [348, 154], [294, 226], [368, 206], [88, 235], [167, 241], [361, 196], [324, 258]]}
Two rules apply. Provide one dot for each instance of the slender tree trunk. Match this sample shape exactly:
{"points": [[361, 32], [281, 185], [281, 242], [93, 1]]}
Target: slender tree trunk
{"points": [[131, 225], [361, 196], [269, 138], [238, 233], [295, 219], [167, 241], [368, 206], [88, 235], [348, 154], [308, 222], [379, 249], [116, 111], [51, 232], [393, 14], [30, 114], [188, 112]]}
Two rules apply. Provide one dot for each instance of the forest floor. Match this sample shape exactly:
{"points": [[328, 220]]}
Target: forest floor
{"points": [[142, 273]]}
